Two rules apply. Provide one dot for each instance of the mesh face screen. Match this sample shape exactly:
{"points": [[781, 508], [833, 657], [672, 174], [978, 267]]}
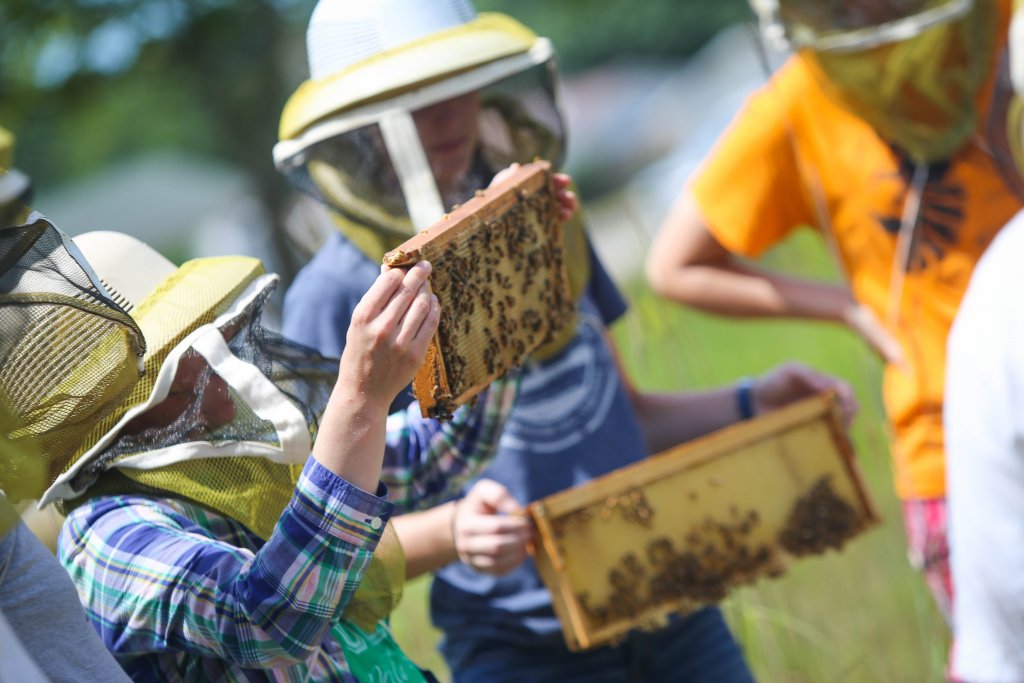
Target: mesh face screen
{"points": [[202, 408], [920, 94], [68, 354], [514, 120]]}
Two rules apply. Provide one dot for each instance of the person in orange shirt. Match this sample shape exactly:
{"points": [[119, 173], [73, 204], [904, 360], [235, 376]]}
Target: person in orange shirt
{"points": [[874, 133]]}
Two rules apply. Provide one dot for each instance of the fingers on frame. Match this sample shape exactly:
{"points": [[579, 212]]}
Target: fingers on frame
{"points": [[379, 294], [420, 319], [402, 296], [498, 524], [494, 545]]}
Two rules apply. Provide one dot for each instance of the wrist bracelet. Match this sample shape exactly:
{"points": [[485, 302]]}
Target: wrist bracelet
{"points": [[745, 398]]}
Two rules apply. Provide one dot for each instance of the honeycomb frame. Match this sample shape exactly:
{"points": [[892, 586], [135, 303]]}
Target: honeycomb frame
{"points": [[679, 530], [499, 274]]}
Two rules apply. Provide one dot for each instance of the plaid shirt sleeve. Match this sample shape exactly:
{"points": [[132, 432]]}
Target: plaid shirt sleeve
{"points": [[426, 462], [152, 580]]}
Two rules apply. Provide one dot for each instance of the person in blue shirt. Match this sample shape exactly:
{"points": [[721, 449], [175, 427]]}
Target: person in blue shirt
{"points": [[411, 108]]}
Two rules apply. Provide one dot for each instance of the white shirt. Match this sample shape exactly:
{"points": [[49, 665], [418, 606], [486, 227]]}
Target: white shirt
{"points": [[984, 424]]}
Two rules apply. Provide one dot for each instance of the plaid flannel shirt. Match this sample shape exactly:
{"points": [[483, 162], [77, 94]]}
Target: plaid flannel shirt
{"points": [[180, 593]]}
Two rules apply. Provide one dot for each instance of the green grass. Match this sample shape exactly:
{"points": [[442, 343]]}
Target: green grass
{"points": [[860, 616]]}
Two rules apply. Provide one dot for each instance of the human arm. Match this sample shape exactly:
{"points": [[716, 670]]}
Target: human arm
{"points": [[427, 540], [156, 580], [670, 418], [486, 529], [386, 341], [688, 264], [152, 579], [424, 460], [426, 464]]}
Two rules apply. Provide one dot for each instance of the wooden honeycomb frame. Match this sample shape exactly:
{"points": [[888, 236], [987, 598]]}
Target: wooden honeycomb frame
{"points": [[500, 276], [678, 530]]}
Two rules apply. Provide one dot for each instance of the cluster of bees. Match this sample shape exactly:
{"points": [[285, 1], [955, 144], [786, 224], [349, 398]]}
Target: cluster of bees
{"points": [[820, 519], [503, 292], [713, 556], [631, 505]]}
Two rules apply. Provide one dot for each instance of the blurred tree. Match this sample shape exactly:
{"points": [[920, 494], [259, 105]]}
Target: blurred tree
{"points": [[587, 32], [89, 82]]}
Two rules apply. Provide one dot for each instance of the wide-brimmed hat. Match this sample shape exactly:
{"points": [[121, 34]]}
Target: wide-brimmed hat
{"points": [[850, 27], [197, 397], [348, 136], [362, 53]]}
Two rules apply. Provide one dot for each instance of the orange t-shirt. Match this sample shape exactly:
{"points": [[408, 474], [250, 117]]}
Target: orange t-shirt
{"points": [[755, 188]]}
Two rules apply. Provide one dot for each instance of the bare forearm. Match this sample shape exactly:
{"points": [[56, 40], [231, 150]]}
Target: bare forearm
{"points": [[350, 442], [670, 419], [739, 290], [728, 287], [426, 539], [687, 263]]}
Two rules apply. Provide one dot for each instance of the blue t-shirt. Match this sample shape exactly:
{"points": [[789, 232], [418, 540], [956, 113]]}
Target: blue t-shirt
{"points": [[318, 306], [573, 422]]}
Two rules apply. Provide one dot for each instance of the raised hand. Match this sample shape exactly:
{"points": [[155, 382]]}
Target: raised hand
{"points": [[566, 198], [389, 333]]}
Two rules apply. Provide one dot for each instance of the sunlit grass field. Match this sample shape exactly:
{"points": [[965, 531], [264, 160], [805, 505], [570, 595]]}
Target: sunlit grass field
{"points": [[860, 616]]}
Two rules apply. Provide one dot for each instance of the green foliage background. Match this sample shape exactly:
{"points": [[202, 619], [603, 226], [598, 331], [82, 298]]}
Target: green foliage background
{"points": [[209, 77]]}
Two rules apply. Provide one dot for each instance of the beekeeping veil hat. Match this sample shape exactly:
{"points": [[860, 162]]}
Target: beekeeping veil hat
{"points": [[412, 106], [913, 69], [69, 354], [224, 410]]}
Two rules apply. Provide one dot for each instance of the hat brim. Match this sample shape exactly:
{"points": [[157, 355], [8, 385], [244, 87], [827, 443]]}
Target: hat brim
{"points": [[129, 268], [488, 38]]}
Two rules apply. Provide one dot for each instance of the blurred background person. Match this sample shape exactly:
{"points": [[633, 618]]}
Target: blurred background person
{"points": [[984, 420], [878, 134]]}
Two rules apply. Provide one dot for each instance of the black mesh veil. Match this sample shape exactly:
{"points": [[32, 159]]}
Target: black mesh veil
{"points": [[517, 119], [69, 354]]}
